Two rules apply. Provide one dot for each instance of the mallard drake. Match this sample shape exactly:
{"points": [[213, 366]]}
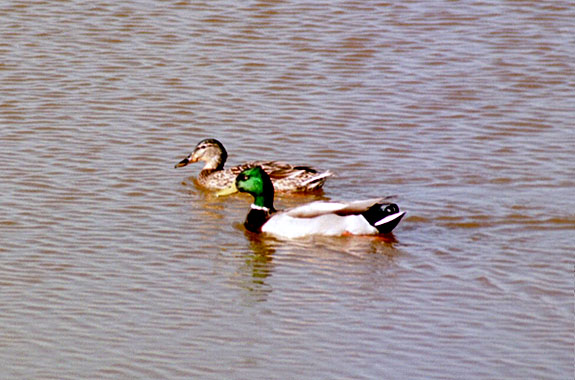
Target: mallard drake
{"points": [[285, 177], [367, 217]]}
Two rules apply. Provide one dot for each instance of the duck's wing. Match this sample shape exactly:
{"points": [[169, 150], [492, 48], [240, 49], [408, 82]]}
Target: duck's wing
{"points": [[276, 169], [280, 170], [235, 170], [315, 209]]}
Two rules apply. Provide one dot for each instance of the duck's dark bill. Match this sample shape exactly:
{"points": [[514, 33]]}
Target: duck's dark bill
{"points": [[388, 223], [184, 162]]}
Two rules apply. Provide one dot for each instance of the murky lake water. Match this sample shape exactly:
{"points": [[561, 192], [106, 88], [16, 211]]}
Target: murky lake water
{"points": [[114, 265]]}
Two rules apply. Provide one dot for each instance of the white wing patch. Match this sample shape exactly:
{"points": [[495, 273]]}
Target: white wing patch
{"points": [[314, 209]]}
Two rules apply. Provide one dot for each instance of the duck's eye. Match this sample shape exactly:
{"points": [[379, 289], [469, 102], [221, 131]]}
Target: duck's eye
{"points": [[242, 177]]}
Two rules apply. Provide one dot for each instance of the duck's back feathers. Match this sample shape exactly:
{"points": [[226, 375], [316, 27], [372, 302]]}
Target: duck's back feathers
{"points": [[314, 209], [286, 177]]}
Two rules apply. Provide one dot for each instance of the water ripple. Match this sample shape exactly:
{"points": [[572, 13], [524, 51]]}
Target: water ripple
{"points": [[113, 259]]}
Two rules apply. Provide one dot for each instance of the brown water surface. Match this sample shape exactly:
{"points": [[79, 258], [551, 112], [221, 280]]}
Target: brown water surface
{"points": [[114, 265]]}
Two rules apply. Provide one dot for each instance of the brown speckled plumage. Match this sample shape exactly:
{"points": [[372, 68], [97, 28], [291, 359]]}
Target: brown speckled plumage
{"points": [[285, 177]]}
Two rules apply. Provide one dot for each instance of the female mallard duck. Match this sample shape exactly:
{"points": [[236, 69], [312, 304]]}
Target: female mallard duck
{"points": [[285, 177], [368, 217]]}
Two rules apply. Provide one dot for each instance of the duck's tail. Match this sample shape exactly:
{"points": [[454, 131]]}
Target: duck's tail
{"points": [[384, 217], [317, 181]]}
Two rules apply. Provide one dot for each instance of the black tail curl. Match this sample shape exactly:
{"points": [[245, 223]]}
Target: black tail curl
{"points": [[380, 211]]}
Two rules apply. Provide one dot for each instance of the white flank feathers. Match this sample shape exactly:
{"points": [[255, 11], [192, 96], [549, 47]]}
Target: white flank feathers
{"points": [[286, 226]]}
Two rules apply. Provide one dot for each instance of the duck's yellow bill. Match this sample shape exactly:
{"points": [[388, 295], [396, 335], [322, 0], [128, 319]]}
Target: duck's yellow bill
{"points": [[227, 191]]}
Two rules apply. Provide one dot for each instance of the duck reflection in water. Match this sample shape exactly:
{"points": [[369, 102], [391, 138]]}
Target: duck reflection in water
{"points": [[257, 266]]}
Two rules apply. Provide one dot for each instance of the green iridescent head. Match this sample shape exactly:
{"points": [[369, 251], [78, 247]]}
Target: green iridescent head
{"points": [[257, 182]]}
